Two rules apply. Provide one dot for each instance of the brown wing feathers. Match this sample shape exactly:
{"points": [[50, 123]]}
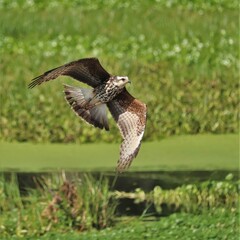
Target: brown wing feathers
{"points": [[130, 115], [88, 70]]}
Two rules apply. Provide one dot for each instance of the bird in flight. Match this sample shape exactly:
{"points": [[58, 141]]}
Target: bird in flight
{"points": [[108, 91]]}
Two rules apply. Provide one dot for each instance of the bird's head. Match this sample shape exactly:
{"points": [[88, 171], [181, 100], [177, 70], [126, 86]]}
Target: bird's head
{"points": [[120, 81]]}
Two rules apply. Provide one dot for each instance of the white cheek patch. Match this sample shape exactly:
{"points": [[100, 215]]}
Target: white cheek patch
{"points": [[121, 81], [124, 77]]}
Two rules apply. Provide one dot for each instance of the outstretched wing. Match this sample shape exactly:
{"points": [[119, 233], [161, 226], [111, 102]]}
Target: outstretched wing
{"points": [[130, 115], [87, 70], [77, 97]]}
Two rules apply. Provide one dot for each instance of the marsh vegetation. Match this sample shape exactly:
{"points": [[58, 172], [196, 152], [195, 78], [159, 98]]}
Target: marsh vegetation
{"points": [[183, 60]]}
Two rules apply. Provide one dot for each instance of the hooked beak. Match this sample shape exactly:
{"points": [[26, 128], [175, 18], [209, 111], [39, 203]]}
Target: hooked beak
{"points": [[129, 81]]}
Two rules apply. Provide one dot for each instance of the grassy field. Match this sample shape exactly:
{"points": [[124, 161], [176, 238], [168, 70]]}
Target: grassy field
{"points": [[201, 152], [182, 58], [217, 225]]}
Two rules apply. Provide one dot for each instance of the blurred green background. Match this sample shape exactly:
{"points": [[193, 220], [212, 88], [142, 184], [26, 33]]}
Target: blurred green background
{"points": [[183, 60], [182, 57]]}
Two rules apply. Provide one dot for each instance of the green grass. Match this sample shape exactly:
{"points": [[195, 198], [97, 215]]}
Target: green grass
{"points": [[57, 208], [181, 57], [178, 226], [200, 152], [220, 224], [55, 205], [191, 198]]}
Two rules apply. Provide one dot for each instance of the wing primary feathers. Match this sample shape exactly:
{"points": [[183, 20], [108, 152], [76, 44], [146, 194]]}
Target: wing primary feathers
{"points": [[87, 70], [130, 115], [40, 79]]}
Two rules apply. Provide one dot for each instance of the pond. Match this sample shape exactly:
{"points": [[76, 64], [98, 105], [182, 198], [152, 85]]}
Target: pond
{"points": [[128, 182]]}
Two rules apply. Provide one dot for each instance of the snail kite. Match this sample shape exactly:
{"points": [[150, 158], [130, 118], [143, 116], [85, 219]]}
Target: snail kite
{"points": [[108, 91]]}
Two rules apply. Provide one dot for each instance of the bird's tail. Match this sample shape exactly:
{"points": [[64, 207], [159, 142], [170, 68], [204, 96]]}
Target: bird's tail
{"points": [[81, 101]]}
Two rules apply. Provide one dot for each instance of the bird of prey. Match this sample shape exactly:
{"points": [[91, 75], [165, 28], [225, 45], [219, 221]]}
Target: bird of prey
{"points": [[108, 91]]}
